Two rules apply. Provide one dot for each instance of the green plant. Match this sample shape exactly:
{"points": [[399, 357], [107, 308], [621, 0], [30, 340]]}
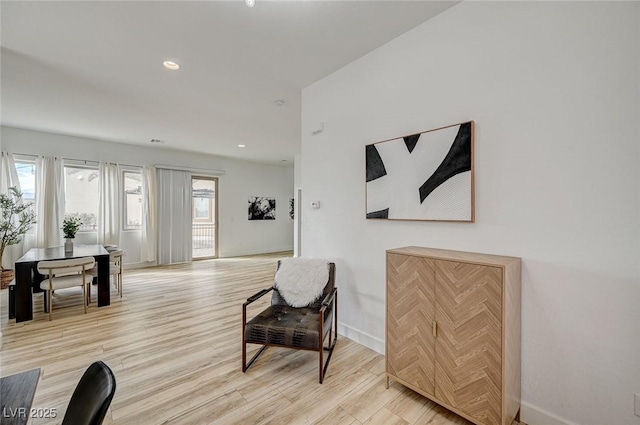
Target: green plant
{"points": [[16, 220], [70, 226]]}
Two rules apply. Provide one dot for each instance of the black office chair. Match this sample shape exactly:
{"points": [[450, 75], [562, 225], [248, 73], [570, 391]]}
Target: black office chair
{"points": [[92, 396]]}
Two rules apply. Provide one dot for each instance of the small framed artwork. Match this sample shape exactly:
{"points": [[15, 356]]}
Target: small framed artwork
{"points": [[423, 176], [262, 208], [291, 208]]}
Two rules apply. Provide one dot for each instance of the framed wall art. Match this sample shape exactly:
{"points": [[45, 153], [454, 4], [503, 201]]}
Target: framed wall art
{"points": [[423, 176], [292, 208], [262, 208]]}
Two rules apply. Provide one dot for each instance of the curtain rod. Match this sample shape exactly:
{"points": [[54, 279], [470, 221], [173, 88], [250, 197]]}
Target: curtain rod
{"points": [[78, 160], [191, 169], [164, 166]]}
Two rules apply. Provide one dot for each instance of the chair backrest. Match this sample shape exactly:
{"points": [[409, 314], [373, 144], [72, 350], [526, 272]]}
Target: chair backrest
{"points": [[115, 256], [277, 299], [68, 266], [92, 396]]}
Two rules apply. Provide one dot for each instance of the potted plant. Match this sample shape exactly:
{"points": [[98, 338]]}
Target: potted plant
{"points": [[17, 219], [70, 226]]}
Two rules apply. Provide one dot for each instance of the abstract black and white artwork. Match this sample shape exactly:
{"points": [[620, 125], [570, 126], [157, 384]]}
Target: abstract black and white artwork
{"points": [[262, 208], [291, 208], [424, 176]]}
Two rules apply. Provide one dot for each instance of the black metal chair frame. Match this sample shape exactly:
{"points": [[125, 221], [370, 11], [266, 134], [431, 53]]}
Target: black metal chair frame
{"points": [[330, 301]]}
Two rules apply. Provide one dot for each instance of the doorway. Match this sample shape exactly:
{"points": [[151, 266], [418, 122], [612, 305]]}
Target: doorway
{"points": [[204, 218]]}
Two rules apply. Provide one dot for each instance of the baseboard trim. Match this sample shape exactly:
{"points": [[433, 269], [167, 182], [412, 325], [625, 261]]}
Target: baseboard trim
{"points": [[363, 338], [131, 266], [232, 254], [534, 415], [285, 252]]}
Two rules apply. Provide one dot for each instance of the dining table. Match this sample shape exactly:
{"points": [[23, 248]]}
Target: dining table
{"points": [[27, 279]]}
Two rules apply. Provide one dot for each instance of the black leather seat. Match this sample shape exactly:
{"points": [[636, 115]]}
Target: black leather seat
{"points": [[92, 396], [287, 326]]}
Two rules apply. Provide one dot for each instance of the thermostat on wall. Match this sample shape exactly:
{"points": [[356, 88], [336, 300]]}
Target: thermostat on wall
{"points": [[315, 204]]}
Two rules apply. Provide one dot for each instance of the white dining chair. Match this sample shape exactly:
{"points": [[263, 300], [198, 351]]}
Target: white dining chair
{"points": [[64, 274], [115, 268]]}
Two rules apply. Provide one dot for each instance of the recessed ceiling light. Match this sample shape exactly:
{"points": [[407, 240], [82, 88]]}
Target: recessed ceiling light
{"points": [[171, 65], [250, 3], [241, 146]]}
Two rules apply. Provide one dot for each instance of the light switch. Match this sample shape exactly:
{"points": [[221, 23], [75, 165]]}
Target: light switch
{"points": [[315, 204]]}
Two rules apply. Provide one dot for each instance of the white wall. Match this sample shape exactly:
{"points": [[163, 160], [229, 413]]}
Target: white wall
{"points": [[553, 89], [238, 235]]}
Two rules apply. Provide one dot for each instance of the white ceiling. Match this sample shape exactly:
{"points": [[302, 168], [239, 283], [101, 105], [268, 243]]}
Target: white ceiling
{"points": [[94, 69]]}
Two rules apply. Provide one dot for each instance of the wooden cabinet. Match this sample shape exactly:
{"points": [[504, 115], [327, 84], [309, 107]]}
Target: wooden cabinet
{"points": [[453, 330]]}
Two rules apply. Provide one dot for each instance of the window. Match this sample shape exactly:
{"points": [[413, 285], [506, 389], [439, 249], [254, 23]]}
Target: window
{"points": [[81, 187], [27, 178], [132, 203], [202, 209]]}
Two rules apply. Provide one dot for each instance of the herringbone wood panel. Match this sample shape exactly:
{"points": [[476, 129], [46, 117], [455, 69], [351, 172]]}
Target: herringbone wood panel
{"points": [[410, 314], [469, 341]]}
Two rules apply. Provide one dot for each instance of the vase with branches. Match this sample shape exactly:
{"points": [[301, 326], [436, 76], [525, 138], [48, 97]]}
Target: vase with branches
{"points": [[16, 220]]}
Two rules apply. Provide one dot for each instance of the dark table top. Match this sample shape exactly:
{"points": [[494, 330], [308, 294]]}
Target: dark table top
{"points": [[57, 253], [16, 396]]}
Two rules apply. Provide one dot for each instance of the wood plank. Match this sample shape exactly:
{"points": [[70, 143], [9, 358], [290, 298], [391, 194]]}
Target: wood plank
{"points": [[459, 256], [511, 347]]}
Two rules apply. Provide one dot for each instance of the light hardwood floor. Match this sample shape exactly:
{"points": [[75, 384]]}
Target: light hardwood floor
{"points": [[173, 342]]}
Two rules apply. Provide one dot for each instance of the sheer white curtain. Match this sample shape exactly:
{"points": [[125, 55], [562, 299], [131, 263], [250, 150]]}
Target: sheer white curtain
{"points": [[49, 201], [8, 174], [149, 228], [9, 178], [109, 228], [174, 216]]}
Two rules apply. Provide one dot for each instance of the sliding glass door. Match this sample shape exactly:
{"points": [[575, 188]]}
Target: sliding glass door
{"points": [[204, 217]]}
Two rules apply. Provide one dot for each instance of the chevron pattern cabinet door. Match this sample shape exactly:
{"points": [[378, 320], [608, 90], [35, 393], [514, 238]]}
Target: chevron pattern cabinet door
{"points": [[453, 330], [410, 315], [469, 339]]}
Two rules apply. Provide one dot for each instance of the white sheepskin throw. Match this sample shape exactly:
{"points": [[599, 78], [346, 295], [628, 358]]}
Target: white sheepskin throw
{"points": [[300, 281]]}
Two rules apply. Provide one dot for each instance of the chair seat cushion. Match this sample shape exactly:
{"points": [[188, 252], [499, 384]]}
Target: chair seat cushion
{"points": [[63, 282], [287, 326]]}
